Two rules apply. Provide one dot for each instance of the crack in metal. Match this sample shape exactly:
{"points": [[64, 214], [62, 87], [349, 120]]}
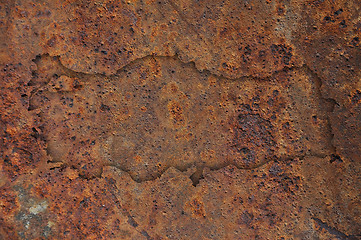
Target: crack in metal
{"points": [[340, 235]]}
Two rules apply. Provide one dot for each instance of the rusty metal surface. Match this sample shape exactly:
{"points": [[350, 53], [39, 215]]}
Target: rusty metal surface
{"points": [[180, 119]]}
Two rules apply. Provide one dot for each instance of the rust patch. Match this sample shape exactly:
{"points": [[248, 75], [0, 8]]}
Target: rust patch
{"points": [[251, 132], [197, 208], [180, 119]]}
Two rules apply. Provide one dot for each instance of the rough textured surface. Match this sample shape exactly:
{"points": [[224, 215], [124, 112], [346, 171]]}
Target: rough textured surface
{"points": [[180, 119]]}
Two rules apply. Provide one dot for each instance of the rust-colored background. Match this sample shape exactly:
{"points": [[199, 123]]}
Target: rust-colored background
{"points": [[180, 119]]}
